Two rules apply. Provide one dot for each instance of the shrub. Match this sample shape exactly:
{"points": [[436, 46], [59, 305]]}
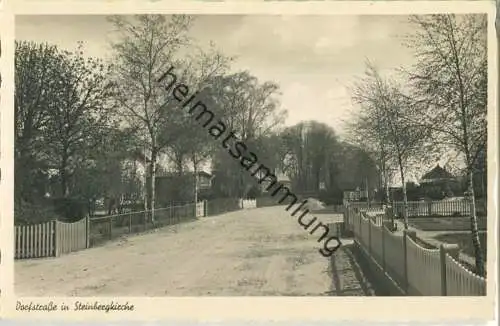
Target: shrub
{"points": [[70, 209], [31, 213], [331, 196]]}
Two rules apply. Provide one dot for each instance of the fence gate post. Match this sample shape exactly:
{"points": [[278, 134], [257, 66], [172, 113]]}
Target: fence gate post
{"points": [[87, 231], [369, 234], [347, 224], [360, 222], [453, 250], [382, 228], [413, 235], [405, 254], [442, 258], [111, 227], [406, 234], [56, 243]]}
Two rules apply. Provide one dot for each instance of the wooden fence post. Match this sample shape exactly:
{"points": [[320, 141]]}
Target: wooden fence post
{"points": [[360, 221], [453, 250], [413, 235], [130, 223], [382, 228], [111, 227], [347, 224], [56, 242], [87, 231], [369, 234]]}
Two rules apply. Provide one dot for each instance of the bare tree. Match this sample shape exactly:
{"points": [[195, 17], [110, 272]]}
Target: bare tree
{"points": [[309, 148], [187, 141], [450, 87], [366, 130], [251, 109], [399, 140], [144, 51]]}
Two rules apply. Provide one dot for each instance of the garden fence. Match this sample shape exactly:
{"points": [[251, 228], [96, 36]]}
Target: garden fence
{"points": [[433, 208], [50, 239], [54, 238], [414, 269], [248, 203]]}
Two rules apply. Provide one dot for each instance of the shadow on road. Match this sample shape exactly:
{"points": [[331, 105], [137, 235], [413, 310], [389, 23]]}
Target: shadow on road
{"points": [[349, 277], [377, 286]]}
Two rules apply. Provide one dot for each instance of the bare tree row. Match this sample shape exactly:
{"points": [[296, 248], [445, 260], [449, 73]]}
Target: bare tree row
{"points": [[438, 105]]}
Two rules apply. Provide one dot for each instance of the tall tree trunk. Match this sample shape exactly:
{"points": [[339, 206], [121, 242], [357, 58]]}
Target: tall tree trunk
{"points": [[405, 198], [64, 176], [195, 181], [388, 194], [317, 189], [367, 192], [386, 185], [386, 182], [145, 188], [153, 184], [180, 167], [473, 224], [483, 183]]}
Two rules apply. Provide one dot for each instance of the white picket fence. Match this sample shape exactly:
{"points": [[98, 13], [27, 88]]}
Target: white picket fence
{"points": [[433, 208], [415, 269], [50, 239], [248, 203], [201, 208], [420, 208]]}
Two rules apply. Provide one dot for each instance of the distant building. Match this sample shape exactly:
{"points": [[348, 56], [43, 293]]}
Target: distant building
{"points": [[438, 184], [174, 180], [355, 195], [281, 179], [437, 175]]}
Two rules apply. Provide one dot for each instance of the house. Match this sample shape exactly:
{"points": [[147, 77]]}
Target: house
{"points": [[172, 187], [204, 180], [355, 195], [281, 179], [438, 184], [437, 175]]}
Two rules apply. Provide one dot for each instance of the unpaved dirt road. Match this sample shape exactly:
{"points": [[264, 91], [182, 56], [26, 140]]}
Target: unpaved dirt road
{"points": [[250, 252]]}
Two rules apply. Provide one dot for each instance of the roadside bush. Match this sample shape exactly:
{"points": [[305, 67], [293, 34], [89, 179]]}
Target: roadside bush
{"points": [[331, 196], [222, 205], [70, 209], [29, 213]]}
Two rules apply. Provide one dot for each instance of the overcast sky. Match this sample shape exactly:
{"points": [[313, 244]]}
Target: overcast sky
{"points": [[312, 58]]}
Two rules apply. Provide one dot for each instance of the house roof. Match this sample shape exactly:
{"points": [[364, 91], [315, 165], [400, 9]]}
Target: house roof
{"points": [[437, 173]]}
